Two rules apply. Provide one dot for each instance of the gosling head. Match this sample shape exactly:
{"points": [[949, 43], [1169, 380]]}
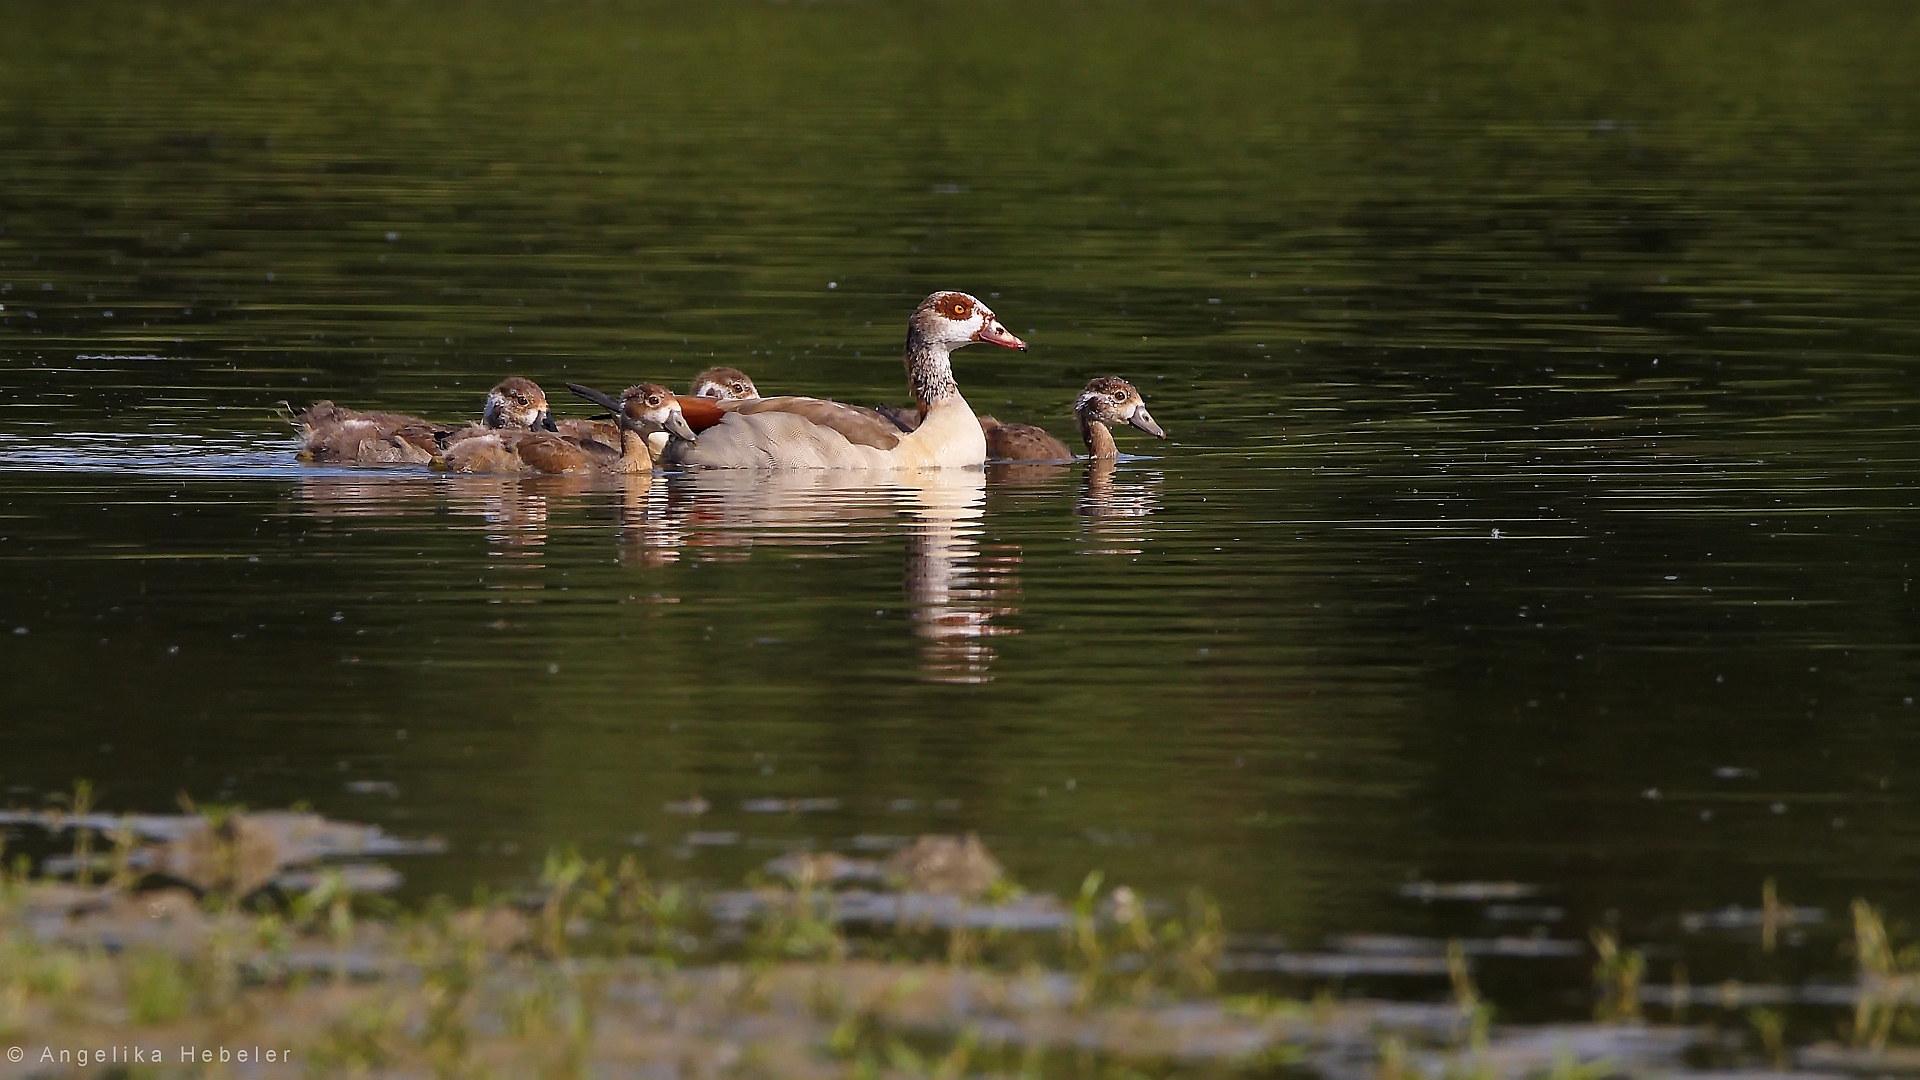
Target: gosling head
{"points": [[1111, 399], [954, 319], [519, 404], [650, 407], [724, 384], [645, 410]]}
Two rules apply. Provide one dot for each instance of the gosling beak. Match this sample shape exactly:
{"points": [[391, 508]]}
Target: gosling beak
{"points": [[545, 423], [677, 424], [1143, 420], [995, 334]]}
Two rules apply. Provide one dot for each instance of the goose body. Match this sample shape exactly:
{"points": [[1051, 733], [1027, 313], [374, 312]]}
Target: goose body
{"points": [[813, 433], [1021, 442], [331, 434]]}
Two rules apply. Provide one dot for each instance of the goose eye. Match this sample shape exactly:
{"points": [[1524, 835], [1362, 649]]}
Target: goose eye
{"points": [[959, 310]]}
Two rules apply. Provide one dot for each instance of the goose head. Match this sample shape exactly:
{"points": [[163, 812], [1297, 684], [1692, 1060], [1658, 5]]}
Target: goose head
{"points": [[1113, 400], [949, 320], [517, 403], [724, 384]]}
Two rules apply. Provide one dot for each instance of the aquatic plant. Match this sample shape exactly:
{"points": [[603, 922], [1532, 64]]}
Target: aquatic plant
{"points": [[1770, 1026], [1889, 982], [1466, 995], [1617, 976]]}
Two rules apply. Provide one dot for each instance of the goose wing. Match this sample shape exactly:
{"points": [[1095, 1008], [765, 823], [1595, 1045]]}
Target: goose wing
{"points": [[700, 413], [592, 434], [1022, 442], [861, 427], [548, 453]]}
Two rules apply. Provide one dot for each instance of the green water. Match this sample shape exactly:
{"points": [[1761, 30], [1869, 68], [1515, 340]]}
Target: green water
{"points": [[1538, 507]]}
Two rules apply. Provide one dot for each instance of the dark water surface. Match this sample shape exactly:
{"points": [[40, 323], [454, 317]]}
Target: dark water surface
{"points": [[1539, 505]]}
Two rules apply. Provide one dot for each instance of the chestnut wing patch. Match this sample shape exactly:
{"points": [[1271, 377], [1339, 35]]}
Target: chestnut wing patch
{"points": [[862, 427], [699, 413]]}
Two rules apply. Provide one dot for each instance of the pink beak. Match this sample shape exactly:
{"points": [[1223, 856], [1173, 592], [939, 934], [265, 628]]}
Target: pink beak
{"points": [[995, 334]]}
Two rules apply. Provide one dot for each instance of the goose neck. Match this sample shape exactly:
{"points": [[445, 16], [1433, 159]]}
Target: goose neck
{"points": [[635, 454], [930, 369], [1099, 440]]}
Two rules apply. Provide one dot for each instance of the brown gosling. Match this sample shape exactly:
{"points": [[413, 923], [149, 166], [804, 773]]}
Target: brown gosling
{"points": [[724, 384], [641, 411], [713, 384], [1106, 400], [329, 433]]}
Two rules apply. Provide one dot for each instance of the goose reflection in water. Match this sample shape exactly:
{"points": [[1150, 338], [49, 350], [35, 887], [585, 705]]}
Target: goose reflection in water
{"points": [[723, 513], [954, 590], [648, 534], [516, 513], [1118, 512], [325, 497]]}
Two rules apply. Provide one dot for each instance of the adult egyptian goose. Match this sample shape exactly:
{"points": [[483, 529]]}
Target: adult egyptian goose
{"points": [[640, 412], [1106, 400], [329, 433], [800, 432]]}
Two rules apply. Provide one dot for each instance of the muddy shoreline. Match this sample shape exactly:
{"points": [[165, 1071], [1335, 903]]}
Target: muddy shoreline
{"points": [[232, 943]]}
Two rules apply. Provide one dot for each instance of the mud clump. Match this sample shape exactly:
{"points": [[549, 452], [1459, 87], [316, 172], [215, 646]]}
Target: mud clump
{"points": [[946, 866]]}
